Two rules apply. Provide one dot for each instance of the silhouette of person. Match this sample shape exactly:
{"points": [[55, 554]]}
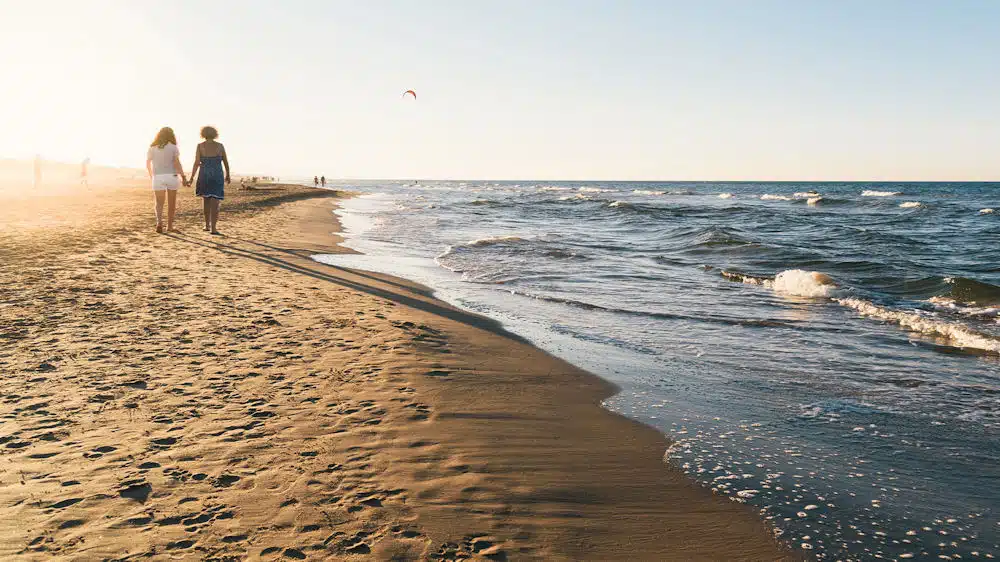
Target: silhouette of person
{"points": [[83, 171], [315, 181], [163, 162], [322, 181], [209, 161]]}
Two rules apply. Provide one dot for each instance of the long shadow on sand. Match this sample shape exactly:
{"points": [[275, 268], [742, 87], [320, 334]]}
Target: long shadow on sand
{"points": [[396, 296], [307, 254]]}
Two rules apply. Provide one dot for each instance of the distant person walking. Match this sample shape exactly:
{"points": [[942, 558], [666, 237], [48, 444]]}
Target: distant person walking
{"points": [[210, 158], [322, 181], [315, 181], [83, 172], [163, 162], [38, 171]]}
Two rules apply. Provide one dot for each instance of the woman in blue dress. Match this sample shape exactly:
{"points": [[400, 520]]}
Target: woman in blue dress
{"points": [[210, 159]]}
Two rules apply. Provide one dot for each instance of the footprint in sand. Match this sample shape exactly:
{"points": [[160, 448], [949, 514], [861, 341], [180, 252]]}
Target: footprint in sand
{"points": [[225, 481], [135, 489], [65, 503], [163, 442], [180, 545], [420, 411]]}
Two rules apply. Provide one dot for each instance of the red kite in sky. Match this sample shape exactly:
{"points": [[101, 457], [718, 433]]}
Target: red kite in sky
{"points": [[411, 92]]}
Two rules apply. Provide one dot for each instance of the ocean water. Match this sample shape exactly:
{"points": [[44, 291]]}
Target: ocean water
{"points": [[828, 353]]}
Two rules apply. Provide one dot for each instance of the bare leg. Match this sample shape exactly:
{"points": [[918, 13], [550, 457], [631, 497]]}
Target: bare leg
{"points": [[160, 197], [171, 208], [206, 203], [215, 214]]}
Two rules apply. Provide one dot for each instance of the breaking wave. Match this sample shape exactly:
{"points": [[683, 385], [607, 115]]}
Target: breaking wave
{"points": [[960, 335]]}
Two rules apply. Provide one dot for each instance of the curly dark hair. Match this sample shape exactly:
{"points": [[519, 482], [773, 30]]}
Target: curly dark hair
{"points": [[164, 137], [209, 133]]}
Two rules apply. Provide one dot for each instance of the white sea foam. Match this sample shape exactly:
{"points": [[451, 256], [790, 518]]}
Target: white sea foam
{"points": [[595, 190], [578, 196], [951, 306], [801, 283], [726, 196], [618, 204], [792, 282], [806, 194], [770, 197], [962, 336], [813, 201], [555, 188], [873, 193], [987, 211], [911, 205], [648, 192]]}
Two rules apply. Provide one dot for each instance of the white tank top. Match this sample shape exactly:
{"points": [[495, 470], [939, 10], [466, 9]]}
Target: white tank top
{"points": [[163, 158]]}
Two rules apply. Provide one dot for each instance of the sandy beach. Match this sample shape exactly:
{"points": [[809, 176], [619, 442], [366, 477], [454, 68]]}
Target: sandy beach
{"points": [[197, 397]]}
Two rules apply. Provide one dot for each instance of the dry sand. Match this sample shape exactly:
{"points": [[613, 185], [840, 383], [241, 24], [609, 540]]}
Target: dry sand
{"points": [[197, 397]]}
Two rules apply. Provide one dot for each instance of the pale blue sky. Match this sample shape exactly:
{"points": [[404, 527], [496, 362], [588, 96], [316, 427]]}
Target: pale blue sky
{"points": [[764, 89]]}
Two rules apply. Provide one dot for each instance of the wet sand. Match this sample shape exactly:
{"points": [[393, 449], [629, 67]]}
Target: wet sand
{"points": [[191, 396]]}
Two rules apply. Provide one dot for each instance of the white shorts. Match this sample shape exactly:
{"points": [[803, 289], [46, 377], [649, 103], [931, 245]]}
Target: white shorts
{"points": [[165, 182]]}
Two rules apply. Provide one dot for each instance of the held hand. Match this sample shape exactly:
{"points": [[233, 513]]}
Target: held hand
{"points": [[227, 180]]}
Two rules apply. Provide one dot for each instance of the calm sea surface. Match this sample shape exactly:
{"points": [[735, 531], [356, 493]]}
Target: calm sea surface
{"points": [[828, 353]]}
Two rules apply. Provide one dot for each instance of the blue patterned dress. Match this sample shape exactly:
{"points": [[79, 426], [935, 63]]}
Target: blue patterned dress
{"points": [[211, 179]]}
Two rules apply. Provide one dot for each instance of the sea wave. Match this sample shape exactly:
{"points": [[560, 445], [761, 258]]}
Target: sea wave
{"points": [[791, 282], [718, 236], [873, 193], [710, 319], [801, 283], [970, 291], [726, 196], [960, 335], [951, 306], [494, 240], [648, 192], [911, 205], [987, 211], [772, 197]]}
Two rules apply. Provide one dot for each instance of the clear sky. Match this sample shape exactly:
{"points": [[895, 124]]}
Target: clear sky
{"points": [[514, 89]]}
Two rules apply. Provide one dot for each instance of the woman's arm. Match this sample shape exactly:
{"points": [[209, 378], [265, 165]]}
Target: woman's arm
{"points": [[149, 166], [197, 162], [225, 162]]}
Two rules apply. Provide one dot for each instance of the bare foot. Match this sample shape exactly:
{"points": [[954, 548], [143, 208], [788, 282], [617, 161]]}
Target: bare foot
{"points": [[206, 229], [159, 228], [216, 233]]}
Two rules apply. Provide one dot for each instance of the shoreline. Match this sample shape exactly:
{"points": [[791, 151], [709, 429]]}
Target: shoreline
{"points": [[349, 407]]}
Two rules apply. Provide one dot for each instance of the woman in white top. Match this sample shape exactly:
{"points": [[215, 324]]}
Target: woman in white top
{"points": [[163, 161]]}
